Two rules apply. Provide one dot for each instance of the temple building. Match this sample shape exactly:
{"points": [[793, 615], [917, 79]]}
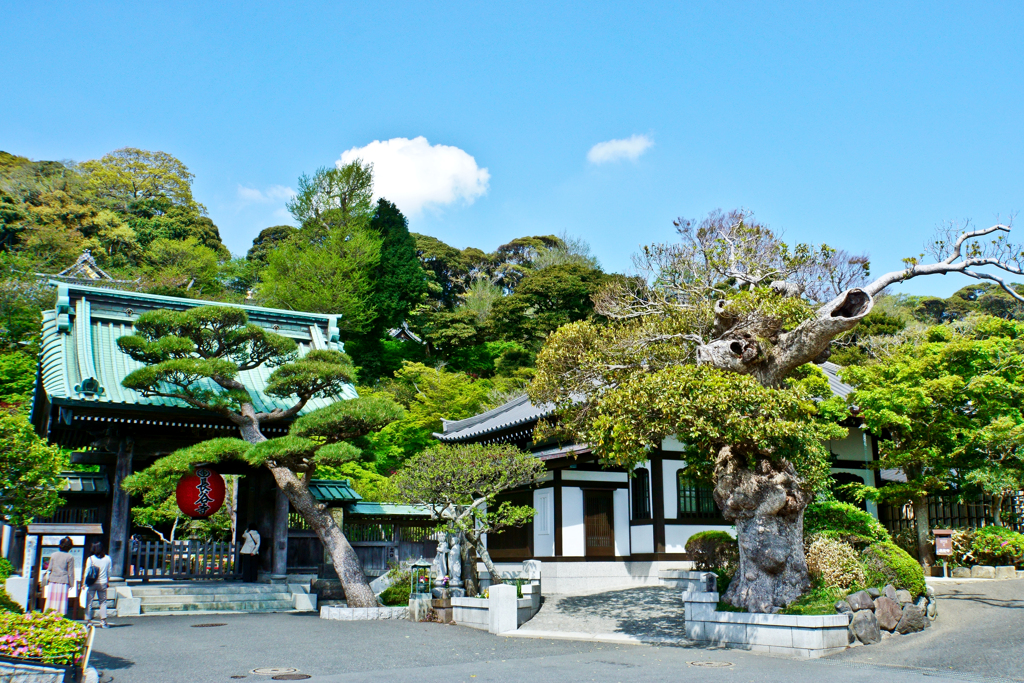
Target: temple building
{"points": [[79, 404], [595, 525]]}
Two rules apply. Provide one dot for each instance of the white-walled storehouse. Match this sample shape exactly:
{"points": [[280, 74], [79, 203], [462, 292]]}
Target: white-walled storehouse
{"points": [[598, 527]]}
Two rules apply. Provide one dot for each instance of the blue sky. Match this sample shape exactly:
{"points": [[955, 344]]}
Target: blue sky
{"points": [[863, 125]]}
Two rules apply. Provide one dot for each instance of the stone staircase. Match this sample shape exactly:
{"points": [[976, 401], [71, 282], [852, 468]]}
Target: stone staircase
{"points": [[212, 597]]}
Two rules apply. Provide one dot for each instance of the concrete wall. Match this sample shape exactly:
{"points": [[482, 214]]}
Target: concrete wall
{"points": [[784, 634]]}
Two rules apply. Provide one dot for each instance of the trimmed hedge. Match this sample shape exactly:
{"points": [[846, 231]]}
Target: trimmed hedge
{"points": [[845, 520], [888, 563], [713, 551]]}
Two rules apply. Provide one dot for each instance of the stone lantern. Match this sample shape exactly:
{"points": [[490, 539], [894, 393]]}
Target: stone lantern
{"points": [[419, 573]]}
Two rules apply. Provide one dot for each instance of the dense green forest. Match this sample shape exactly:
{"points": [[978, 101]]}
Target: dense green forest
{"points": [[477, 319]]}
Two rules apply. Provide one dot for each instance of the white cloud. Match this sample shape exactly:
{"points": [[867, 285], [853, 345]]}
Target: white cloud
{"points": [[616, 150], [415, 174], [274, 193]]}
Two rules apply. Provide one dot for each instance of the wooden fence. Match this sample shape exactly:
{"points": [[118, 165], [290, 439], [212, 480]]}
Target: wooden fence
{"points": [[184, 560], [950, 512]]}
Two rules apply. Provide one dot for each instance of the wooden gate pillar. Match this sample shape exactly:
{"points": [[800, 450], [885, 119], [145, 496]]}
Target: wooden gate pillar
{"points": [[120, 509], [280, 557]]}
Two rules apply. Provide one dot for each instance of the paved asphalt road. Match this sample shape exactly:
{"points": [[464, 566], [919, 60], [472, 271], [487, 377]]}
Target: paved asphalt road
{"points": [[980, 630], [988, 644]]}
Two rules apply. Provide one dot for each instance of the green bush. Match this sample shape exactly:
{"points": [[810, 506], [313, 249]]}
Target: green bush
{"points": [[6, 569], [45, 637], [714, 551], [7, 604], [844, 519], [888, 563], [401, 587], [998, 545]]}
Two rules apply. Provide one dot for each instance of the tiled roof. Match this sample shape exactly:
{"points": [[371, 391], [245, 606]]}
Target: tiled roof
{"points": [[520, 411], [838, 386], [366, 509], [85, 482], [81, 364], [516, 412], [333, 491]]}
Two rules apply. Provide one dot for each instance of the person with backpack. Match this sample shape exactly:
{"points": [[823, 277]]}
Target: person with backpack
{"points": [[61, 576], [97, 576], [250, 553]]}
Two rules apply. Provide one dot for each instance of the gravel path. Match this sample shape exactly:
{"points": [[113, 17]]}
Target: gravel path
{"points": [[654, 611]]}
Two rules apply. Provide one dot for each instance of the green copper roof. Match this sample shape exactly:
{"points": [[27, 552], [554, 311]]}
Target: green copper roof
{"points": [[333, 491], [81, 364], [366, 509]]}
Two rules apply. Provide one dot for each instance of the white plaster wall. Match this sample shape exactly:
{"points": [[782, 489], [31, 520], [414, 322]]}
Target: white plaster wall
{"points": [[573, 539], [671, 443], [856, 445], [620, 500], [671, 486], [676, 535], [592, 577], [544, 522], [641, 539], [576, 475]]}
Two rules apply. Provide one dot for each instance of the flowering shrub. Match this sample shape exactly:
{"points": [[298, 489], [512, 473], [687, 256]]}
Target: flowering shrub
{"points": [[43, 637], [998, 545], [834, 563]]}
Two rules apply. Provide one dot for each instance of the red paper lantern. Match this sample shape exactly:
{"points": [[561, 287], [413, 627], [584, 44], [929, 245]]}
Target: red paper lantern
{"points": [[201, 493]]}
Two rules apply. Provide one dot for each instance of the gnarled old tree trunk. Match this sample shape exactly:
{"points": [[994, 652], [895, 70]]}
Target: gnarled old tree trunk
{"points": [[357, 589], [767, 505]]}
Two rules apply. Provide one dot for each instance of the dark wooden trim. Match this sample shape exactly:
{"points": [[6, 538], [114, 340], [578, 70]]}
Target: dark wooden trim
{"points": [[596, 485], [640, 557], [658, 500], [675, 456], [558, 512], [641, 522], [694, 521], [851, 464]]}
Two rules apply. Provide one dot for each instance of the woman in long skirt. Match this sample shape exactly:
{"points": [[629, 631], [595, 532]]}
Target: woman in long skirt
{"points": [[62, 577]]}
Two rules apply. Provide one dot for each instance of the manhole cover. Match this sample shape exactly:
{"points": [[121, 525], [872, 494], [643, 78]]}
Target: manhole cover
{"points": [[290, 677], [206, 625], [711, 664], [274, 671]]}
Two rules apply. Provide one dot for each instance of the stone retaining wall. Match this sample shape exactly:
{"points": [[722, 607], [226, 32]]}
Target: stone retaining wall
{"points": [[785, 634], [363, 613]]}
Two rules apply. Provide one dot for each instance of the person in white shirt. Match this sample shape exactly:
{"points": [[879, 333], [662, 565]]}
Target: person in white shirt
{"points": [[99, 561], [250, 554]]}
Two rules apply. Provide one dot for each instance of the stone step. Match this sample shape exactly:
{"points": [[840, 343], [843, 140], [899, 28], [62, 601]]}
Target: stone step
{"points": [[208, 589], [213, 597], [221, 606]]}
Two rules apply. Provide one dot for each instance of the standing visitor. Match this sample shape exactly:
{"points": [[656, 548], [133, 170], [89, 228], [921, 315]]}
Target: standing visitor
{"points": [[250, 554], [62, 577], [97, 575]]}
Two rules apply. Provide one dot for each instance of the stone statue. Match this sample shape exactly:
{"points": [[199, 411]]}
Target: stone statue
{"points": [[441, 563], [455, 561]]}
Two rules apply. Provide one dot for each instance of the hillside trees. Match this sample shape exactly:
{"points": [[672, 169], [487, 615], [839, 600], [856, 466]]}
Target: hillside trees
{"points": [[726, 308], [947, 407], [30, 470], [196, 355]]}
